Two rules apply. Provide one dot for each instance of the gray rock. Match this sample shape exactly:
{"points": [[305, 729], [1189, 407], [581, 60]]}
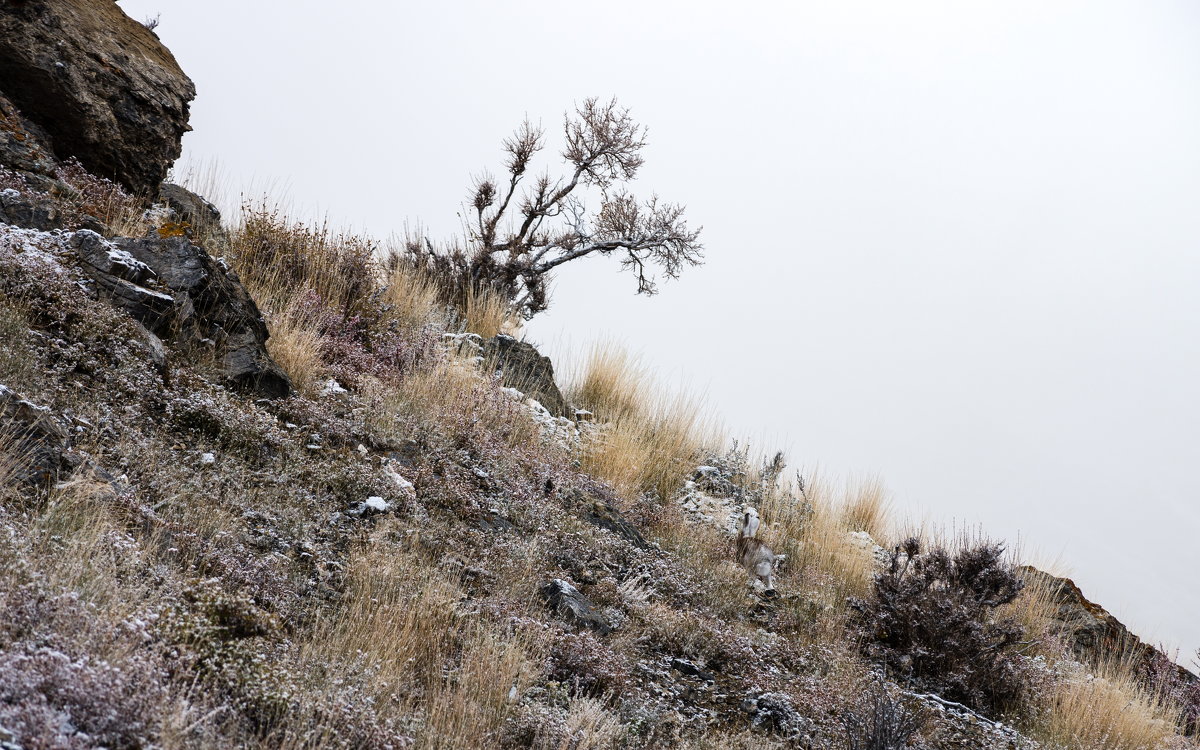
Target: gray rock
{"points": [[573, 606], [203, 217], [32, 433], [30, 210], [211, 305], [601, 512], [521, 366], [124, 281], [100, 86], [775, 713]]}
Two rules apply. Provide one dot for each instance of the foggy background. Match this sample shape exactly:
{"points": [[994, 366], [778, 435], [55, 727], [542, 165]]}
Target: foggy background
{"points": [[956, 245]]}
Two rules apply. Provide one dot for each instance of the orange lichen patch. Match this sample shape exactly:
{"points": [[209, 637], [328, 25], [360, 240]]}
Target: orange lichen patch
{"points": [[174, 229]]}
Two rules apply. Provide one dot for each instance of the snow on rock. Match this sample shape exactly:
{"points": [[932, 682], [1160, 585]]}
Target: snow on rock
{"points": [[403, 486], [710, 497], [331, 388], [371, 505], [863, 541]]}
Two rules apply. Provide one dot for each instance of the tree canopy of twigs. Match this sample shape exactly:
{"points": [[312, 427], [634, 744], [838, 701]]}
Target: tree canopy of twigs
{"points": [[520, 228]]}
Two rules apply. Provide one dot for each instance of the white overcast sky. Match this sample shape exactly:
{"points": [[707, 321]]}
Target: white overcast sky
{"points": [[953, 244]]}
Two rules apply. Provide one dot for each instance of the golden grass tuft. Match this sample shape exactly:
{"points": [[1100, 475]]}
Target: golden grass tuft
{"points": [[428, 658], [650, 439], [1106, 708], [488, 313], [866, 507]]}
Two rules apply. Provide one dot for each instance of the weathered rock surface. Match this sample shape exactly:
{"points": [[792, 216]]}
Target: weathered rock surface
{"points": [[1090, 629], [30, 210], [90, 82], [521, 366], [177, 290], [125, 281], [601, 512], [24, 145], [213, 306], [573, 606], [32, 434], [203, 218]]}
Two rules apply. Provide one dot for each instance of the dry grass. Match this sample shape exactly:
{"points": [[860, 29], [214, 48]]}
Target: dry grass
{"points": [[488, 313], [412, 297], [425, 656], [651, 439], [451, 396], [825, 564], [1106, 708], [866, 507], [296, 347]]}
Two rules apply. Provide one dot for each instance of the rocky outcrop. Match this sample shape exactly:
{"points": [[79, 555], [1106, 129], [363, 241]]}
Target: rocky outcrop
{"points": [[521, 366], [200, 216], [214, 309], [573, 606], [24, 145], [177, 290], [82, 79], [1091, 631], [30, 433]]}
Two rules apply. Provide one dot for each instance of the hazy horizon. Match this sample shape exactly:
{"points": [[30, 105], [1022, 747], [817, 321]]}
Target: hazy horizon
{"points": [[954, 247]]}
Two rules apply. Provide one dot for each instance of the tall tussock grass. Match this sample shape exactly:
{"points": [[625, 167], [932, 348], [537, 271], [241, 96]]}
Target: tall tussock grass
{"points": [[650, 439]]}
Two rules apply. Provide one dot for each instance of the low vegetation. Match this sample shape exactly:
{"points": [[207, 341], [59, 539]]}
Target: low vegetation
{"points": [[363, 563]]}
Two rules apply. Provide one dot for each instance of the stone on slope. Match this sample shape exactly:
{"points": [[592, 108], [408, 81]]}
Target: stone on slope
{"points": [[31, 433], [521, 366], [213, 306], [573, 606], [100, 87]]}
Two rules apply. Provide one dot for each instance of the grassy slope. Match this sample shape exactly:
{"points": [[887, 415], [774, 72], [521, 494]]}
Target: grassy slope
{"points": [[157, 597]]}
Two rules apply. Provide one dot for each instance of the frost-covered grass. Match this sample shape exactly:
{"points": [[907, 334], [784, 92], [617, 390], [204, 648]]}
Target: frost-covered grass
{"points": [[209, 576]]}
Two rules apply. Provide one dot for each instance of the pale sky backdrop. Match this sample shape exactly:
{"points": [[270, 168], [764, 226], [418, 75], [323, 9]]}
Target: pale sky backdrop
{"points": [[953, 244]]}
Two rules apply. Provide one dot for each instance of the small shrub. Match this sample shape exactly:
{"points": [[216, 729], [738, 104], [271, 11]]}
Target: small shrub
{"points": [[932, 622], [880, 723]]}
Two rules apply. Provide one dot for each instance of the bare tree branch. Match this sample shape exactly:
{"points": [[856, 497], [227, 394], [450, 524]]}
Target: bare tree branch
{"points": [[603, 148]]}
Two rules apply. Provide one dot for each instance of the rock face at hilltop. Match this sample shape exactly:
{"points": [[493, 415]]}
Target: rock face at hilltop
{"points": [[1091, 630], [79, 78]]}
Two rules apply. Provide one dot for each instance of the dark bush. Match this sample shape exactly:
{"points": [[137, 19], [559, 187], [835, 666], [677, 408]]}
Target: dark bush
{"points": [[880, 723], [933, 623]]}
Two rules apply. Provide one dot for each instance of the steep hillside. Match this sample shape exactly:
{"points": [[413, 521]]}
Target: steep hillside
{"points": [[263, 484]]}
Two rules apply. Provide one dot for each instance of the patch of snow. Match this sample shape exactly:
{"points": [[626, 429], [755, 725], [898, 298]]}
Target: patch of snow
{"points": [[332, 388], [10, 193], [207, 459]]}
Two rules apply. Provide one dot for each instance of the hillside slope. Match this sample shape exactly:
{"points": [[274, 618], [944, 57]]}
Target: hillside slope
{"points": [[261, 487]]}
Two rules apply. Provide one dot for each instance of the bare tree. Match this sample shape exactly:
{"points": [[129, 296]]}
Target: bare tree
{"points": [[520, 230]]}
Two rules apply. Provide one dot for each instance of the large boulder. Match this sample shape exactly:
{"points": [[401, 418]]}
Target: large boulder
{"points": [[521, 366], [178, 290], [83, 79]]}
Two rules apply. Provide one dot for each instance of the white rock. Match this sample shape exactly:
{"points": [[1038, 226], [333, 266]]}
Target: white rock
{"points": [[332, 388], [207, 459]]}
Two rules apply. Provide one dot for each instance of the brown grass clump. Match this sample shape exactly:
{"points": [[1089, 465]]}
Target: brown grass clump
{"points": [[425, 656], [489, 313], [865, 507], [650, 440], [1106, 707]]}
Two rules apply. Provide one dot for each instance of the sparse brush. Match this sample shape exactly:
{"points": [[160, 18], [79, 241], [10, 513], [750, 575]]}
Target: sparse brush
{"points": [[932, 622], [880, 722]]}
